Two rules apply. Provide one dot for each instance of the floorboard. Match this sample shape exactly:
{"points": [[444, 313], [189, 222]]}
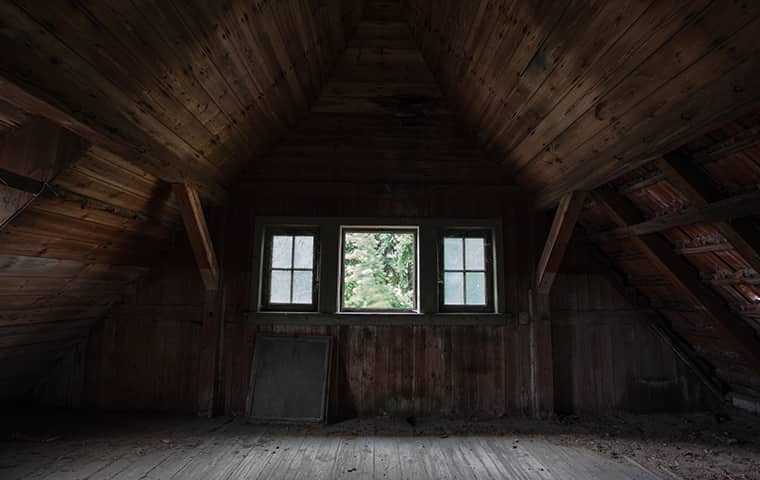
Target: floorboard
{"points": [[222, 449]]}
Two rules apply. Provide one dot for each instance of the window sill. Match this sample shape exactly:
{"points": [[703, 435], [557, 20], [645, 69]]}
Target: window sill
{"points": [[376, 319]]}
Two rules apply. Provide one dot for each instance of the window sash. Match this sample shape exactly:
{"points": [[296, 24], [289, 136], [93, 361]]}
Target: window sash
{"points": [[267, 274], [487, 270], [344, 230]]}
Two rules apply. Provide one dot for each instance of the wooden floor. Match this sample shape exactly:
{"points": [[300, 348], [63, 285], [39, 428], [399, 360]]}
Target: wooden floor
{"points": [[230, 449]]}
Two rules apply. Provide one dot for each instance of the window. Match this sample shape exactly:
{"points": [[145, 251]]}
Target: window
{"points": [[379, 269], [466, 279], [290, 277]]}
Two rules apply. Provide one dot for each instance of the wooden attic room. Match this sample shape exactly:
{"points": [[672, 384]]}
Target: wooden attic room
{"points": [[383, 239]]}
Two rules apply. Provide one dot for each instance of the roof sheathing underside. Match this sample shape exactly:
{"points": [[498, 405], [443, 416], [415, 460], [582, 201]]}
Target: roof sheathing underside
{"points": [[730, 156]]}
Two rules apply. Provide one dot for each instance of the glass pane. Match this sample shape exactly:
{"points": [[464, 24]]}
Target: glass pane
{"points": [[476, 288], [453, 255], [279, 290], [475, 255], [302, 287], [453, 288], [304, 254], [379, 270], [282, 251]]}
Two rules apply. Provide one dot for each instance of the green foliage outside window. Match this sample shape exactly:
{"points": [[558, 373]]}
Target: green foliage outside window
{"points": [[379, 270]]}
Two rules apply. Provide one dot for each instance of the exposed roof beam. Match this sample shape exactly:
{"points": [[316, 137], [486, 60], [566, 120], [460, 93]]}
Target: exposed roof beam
{"points": [[683, 174], [731, 208], [197, 232], [565, 218], [681, 274], [129, 141]]}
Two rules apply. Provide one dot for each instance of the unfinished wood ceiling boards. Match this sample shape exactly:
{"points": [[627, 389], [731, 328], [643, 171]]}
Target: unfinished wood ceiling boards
{"points": [[380, 119], [571, 94], [186, 90]]}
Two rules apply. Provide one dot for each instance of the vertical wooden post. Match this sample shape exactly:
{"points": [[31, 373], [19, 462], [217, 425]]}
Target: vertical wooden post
{"points": [[541, 352], [213, 303]]}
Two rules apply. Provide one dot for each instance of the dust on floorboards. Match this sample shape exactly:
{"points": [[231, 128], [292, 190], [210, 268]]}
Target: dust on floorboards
{"points": [[121, 447]]}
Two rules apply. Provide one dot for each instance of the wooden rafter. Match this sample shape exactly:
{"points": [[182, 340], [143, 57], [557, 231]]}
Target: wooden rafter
{"points": [[197, 232], [682, 172], [680, 273], [565, 218], [731, 208]]}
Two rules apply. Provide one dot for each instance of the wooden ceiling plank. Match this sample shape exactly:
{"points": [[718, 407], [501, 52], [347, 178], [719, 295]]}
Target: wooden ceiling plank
{"points": [[592, 29], [688, 62], [719, 92], [132, 73], [561, 231], [684, 174], [138, 148], [682, 274], [198, 234]]}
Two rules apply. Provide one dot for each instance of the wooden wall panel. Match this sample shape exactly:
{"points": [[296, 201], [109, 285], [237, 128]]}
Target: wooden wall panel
{"points": [[607, 357], [145, 355], [404, 370]]}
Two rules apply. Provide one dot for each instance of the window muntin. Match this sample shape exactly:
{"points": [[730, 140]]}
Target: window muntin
{"points": [[290, 276], [378, 270], [466, 274]]}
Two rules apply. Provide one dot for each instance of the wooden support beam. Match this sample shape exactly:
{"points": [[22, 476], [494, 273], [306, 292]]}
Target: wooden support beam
{"points": [[736, 207], [681, 274], [565, 218], [683, 173], [197, 232]]}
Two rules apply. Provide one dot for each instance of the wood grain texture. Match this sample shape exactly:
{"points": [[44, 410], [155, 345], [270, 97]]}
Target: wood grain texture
{"points": [[224, 448], [569, 96], [198, 234]]}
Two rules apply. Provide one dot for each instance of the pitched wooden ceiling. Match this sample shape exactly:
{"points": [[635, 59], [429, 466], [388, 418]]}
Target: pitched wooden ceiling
{"points": [[381, 118], [573, 93]]}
